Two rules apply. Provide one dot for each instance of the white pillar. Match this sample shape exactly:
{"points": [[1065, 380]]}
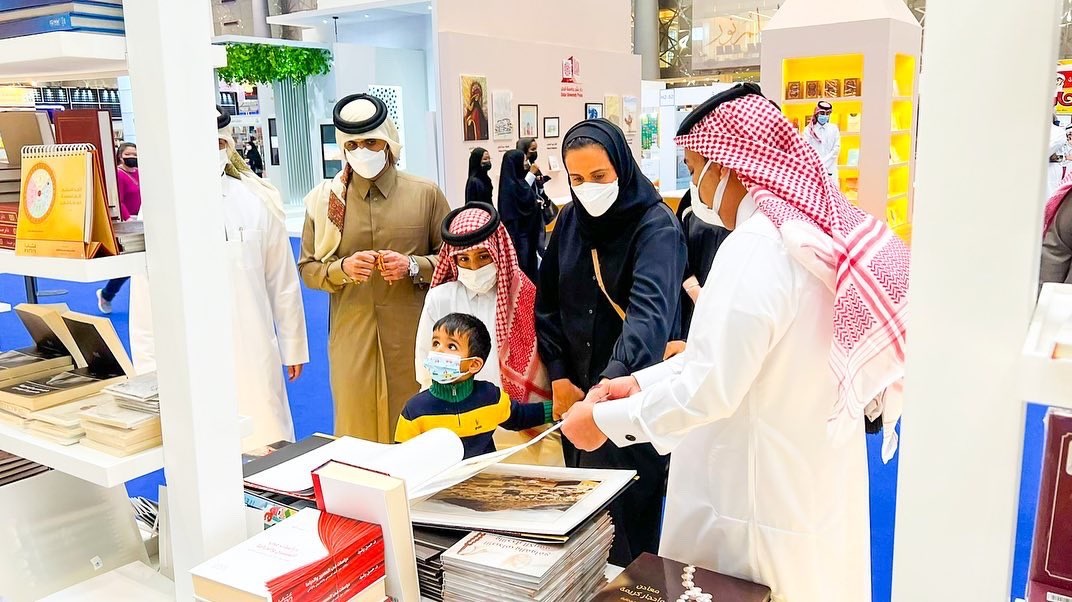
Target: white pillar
{"points": [[169, 63], [646, 37], [976, 237]]}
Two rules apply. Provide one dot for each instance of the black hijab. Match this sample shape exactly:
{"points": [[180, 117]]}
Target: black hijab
{"points": [[514, 191], [524, 144], [636, 193], [476, 170]]}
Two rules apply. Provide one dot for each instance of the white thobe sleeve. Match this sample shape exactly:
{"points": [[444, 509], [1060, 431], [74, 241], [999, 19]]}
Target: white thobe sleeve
{"points": [[424, 338], [738, 320], [284, 294]]}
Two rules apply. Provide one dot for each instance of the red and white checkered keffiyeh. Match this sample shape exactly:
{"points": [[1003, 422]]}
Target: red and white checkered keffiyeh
{"points": [[523, 375], [864, 264]]}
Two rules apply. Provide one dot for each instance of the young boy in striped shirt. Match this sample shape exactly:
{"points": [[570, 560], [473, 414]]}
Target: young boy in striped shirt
{"points": [[472, 409]]}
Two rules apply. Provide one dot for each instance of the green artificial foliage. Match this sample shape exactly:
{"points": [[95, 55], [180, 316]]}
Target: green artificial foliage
{"points": [[254, 64]]}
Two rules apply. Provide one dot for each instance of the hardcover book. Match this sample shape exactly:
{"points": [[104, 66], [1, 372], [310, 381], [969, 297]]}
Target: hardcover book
{"points": [[813, 89], [793, 91], [106, 363], [14, 10], [1050, 577], [93, 127], [652, 577], [832, 88], [19, 129], [68, 21]]}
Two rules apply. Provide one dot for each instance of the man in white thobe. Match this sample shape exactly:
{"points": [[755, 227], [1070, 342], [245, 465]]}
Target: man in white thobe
{"points": [[269, 317], [824, 136], [768, 477]]}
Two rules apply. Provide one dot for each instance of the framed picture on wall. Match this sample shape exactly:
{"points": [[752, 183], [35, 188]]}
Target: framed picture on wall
{"points": [[330, 153], [527, 118], [475, 107], [550, 127], [273, 142], [593, 110]]}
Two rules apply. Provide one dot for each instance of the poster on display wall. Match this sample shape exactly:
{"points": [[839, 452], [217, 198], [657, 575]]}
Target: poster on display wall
{"points": [[630, 106], [527, 118], [502, 115], [475, 107], [612, 107], [1063, 101], [392, 97], [593, 110]]}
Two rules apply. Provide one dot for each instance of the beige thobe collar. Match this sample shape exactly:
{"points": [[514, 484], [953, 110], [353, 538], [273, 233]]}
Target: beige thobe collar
{"points": [[386, 183]]}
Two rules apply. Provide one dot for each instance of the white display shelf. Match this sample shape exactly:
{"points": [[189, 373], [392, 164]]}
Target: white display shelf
{"points": [[62, 55], [894, 197], [134, 581], [65, 55], [900, 132], [899, 164], [73, 270], [80, 461], [88, 464], [1040, 378]]}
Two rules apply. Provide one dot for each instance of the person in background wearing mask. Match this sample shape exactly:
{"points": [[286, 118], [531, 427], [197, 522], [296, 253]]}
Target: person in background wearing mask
{"points": [[797, 338], [254, 159], [478, 187], [519, 210], [825, 138], [269, 317], [529, 147], [371, 239], [607, 305], [128, 180]]}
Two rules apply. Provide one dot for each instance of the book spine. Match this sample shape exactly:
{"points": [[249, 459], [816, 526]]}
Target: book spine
{"points": [[48, 23]]}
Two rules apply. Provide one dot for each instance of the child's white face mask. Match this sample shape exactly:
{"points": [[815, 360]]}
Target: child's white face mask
{"points": [[444, 368]]}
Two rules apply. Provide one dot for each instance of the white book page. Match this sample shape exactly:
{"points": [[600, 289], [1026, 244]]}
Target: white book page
{"points": [[414, 461]]}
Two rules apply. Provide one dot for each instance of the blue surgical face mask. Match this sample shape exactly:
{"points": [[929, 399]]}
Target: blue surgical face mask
{"points": [[823, 119], [443, 367]]}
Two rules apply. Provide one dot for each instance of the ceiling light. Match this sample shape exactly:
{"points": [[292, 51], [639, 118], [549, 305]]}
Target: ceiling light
{"points": [[367, 17]]}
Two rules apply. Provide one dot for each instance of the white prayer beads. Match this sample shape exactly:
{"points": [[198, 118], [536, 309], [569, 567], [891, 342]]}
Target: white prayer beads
{"points": [[692, 593]]}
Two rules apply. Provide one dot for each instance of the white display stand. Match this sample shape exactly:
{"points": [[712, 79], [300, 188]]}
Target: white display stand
{"points": [[168, 55], [971, 303], [877, 43], [1039, 377]]}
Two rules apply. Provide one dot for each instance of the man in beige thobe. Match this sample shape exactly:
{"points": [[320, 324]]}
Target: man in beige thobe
{"points": [[371, 238]]}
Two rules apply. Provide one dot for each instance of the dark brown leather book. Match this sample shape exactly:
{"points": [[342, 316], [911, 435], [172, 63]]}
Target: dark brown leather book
{"points": [[1051, 552], [652, 577], [93, 126]]}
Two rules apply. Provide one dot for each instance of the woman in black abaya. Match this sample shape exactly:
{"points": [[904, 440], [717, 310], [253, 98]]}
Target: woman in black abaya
{"points": [[478, 187], [595, 325], [519, 212]]}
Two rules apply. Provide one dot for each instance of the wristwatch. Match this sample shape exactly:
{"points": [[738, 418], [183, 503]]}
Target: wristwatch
{"points": [[414, 267]]}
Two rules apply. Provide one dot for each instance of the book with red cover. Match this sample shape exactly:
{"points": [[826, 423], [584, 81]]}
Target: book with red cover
{"points": [[93, 126], [1050, 578], [652, 577]]}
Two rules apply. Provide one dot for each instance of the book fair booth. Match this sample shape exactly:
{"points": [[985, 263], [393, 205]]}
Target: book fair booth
{"points": [[343, 518]]}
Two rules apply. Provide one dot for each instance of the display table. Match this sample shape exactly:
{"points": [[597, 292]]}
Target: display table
{"points": [[134, 581]]}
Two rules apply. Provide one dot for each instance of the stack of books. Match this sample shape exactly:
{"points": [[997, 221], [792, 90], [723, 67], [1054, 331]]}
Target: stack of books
{"points": [[140, 393], [62, 424], [430, 545], [29, 17], [120, 431], [309, 556], [487, 566], [14, 468], [130, 236], [10, 183]]}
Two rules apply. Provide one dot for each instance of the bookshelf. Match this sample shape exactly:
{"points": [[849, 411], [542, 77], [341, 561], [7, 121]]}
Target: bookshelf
{"points": [[864, 62]]}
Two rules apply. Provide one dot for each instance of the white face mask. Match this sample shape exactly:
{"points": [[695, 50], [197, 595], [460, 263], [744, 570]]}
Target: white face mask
{"points": [[480, 280], [597, 198], [367, 163], [224, 158], [700, 209]]}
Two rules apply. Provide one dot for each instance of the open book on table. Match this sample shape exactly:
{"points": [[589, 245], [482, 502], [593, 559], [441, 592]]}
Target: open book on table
{"points": [[428, 463]]}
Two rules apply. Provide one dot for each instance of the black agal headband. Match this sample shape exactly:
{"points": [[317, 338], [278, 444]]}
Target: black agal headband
{"points": [[705, 108], [354, 128], [475, 237]]}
